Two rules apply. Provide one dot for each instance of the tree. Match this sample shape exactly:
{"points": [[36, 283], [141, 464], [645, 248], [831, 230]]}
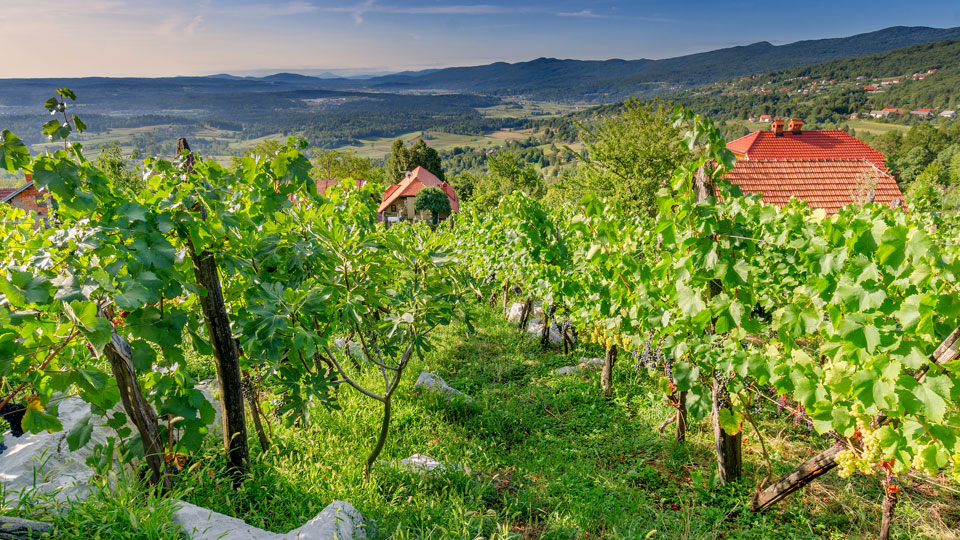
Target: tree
{"points": [[630, 156], [434, 200], [426, 157], [403, 159], [338, 165], [398, 163], [465, 184], [116, 166]]}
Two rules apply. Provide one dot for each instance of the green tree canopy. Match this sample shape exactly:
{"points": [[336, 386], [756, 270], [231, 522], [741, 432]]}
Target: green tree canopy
{"points": [[403, 159], [434, 200], [398, 162], [338, 165], [628, 157], [119, 169], [426, 157]]}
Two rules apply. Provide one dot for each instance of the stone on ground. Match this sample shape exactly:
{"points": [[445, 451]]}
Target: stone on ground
{"points": [[585, 364], [516, 310], [434, 383], [338, 521], [420, 463], [46, 457]]}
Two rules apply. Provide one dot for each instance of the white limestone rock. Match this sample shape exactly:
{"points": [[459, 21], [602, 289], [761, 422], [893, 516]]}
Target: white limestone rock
{"points": [[535, 328], [516, 310], [584, 365], [47, 458], [568, 370], [352, 347], [420, 463], [338, 521], [434, 383]]}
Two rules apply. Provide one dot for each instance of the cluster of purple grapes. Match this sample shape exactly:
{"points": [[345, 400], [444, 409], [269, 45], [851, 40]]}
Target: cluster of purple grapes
{"points": [[652, 357], [794, 410], [723, 395]]}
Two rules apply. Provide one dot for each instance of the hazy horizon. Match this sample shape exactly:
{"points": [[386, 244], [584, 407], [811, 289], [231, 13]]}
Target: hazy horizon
{"points": [[153, 38]]}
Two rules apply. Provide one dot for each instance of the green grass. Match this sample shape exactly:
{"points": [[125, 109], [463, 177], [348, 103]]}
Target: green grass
{"points": [[543, 456], [876, 128]]}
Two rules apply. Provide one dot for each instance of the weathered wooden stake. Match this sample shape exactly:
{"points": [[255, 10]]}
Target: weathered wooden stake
{"points": [[120, 356], [606, 374], [889, 503], [729, 451], [729, 447], [681, 417], [225, 353]]}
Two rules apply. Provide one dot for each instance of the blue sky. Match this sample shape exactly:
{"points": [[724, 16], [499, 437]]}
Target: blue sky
{"points": [[196, 37]]}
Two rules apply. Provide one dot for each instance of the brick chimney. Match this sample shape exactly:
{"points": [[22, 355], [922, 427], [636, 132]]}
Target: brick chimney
{"points": [[777, 127], [795, 125]]}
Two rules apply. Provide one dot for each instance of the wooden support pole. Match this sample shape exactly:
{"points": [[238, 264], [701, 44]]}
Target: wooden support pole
{"points": [[681, 416], [139, 411], [728, 447], [225, 352], [606, 374]]}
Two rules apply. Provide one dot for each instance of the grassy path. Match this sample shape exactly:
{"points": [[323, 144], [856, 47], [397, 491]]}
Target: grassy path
{"points": [[547, 457]]}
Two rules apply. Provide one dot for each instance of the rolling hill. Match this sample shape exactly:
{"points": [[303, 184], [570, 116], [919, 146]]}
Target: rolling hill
{"points": [[551, 79]]}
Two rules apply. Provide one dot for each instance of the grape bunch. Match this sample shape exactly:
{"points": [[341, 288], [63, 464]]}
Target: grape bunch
{"points": [[870, 452], [871, 446], [609, 338], [651, 357], [723, 395], [921, 463], [847, 463]]}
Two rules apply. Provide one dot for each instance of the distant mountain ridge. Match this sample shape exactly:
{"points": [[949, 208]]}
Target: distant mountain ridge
{"points": [[613, 80]]}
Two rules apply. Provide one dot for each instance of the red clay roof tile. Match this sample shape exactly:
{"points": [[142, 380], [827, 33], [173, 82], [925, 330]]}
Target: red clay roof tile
{"points": [[813, 144], [824, 183]]}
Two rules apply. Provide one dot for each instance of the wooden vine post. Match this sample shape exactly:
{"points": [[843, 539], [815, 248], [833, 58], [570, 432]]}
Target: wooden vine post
{"points": [[606, 374], [728, 447], [225, 351], [825, 461], [120, 356]]}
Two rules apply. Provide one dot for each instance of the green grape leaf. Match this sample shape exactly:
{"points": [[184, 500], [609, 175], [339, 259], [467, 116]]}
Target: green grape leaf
{"points": [[79, 435], [730, 422]]}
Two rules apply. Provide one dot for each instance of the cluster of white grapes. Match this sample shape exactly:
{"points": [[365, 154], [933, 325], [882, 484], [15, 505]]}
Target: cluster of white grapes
{"points": [[870, 453], [609, 338], [921, 463]]}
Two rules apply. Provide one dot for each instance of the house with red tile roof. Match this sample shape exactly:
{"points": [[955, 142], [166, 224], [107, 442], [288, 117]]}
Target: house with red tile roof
{"points": [[27, 197], [827, 168], [794, 143], [830, 184], [398, 199]]}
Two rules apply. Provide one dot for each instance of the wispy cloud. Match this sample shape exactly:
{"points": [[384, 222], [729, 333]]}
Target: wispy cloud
{"points": [[585, 13], [590, 14]]}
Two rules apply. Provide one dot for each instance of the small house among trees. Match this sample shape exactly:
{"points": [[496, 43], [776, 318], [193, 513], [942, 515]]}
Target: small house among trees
{"points": [[399, 199], [27, 197]]}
